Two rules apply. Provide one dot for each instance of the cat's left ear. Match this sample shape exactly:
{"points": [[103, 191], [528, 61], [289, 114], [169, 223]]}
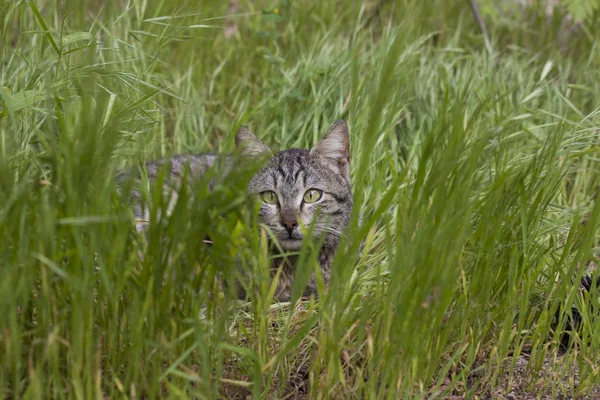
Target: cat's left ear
{"points": [[335, 146], [250, 145]]}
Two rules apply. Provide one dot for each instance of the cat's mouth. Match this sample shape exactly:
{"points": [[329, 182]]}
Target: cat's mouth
{"points": [[290, 243]]}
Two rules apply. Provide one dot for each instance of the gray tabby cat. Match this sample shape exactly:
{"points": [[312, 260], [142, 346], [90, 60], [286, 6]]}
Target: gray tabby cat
{"points": [[298, 188]]}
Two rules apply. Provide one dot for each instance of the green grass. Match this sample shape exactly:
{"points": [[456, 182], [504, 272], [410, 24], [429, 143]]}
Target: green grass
{"points": [[472, 171]]}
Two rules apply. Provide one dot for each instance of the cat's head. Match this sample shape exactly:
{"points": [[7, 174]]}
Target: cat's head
{"points": [[299, 187]]}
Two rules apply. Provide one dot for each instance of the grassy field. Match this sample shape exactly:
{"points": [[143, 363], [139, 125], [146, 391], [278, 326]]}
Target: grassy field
{"points": [[475, 167]]}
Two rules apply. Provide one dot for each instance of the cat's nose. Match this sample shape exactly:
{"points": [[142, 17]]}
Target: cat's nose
{"points": [[289, 225]]}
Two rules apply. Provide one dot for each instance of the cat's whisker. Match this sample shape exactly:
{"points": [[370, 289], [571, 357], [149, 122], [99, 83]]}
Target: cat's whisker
{"points": [[330, 229], [322, 227]]}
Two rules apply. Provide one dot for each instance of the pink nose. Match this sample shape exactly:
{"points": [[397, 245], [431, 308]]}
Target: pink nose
{"points": [[289, 225]]}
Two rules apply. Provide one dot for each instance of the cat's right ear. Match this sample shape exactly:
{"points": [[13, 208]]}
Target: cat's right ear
{"points": [[249, 144], [335, 147]]}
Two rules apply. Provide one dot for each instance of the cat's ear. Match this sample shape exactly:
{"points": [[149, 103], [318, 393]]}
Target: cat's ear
{"points": [[335, 146], [250, 145]]}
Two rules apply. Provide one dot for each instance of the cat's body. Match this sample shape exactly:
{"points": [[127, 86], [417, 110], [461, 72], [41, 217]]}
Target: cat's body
{"points": [[299, 189], [198, 165]]}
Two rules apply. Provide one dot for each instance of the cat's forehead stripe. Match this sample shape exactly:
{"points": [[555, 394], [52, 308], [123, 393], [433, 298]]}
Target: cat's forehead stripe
{"points": [[291, 165], [298, 171], [294, 173], [281, 171], [295, 170]]}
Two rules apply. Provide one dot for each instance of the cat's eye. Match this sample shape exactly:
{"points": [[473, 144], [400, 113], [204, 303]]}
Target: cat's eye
{"points": [[312, 195], [269, 197]]}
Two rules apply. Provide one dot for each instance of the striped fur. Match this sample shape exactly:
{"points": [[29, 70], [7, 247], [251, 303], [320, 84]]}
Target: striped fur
{"points": [[289, 174]]}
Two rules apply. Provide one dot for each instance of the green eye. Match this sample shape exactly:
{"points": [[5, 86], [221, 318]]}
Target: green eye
{"points": [[312, 195], [269, 197]]}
